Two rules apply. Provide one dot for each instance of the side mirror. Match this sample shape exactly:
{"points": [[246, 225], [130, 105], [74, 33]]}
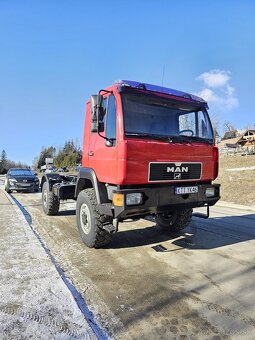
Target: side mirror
{"points": [[96, 109], [93, 113]]}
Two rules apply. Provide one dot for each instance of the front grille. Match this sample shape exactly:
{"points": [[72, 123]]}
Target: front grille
{"points": [[174, 171], [25, 180]]}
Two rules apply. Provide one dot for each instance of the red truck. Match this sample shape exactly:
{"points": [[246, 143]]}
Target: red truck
{"points": [[147, 150]]}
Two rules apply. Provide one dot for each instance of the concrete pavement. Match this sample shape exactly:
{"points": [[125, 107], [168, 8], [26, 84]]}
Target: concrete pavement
{"points": [[34, 300]]}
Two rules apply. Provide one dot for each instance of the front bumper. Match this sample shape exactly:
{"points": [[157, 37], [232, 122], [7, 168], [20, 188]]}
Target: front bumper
{"points": [[162, 199], [24, 186]]}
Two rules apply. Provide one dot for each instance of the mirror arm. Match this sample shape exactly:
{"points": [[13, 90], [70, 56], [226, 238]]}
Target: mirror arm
{"points": [[99, 134], [106, 91], [111, 140]]}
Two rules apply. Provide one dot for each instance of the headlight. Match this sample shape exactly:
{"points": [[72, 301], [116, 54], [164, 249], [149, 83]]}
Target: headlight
{"points": [[134, 199], [12, 180], [210, 192]]}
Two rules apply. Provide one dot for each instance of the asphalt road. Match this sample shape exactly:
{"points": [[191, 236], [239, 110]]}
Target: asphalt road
{"points": [[152, 285]]}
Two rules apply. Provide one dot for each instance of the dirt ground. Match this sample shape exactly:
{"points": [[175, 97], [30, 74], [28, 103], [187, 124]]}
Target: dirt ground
{"points": [[237, 186]]}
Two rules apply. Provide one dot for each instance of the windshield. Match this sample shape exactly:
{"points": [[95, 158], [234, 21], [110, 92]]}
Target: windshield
{"points": [[21, 172], [147, 116]]}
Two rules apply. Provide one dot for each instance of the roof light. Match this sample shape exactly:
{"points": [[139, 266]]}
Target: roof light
{"points": [[160, 89]]}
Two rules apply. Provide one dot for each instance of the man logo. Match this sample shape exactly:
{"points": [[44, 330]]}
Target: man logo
{"points": [[177, 169], [177, 175]]}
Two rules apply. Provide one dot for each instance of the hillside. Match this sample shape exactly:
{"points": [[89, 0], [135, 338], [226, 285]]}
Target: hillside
{"points": [[237, 186]]}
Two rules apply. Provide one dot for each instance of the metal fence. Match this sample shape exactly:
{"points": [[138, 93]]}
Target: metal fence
{"points": [[243, 151]]}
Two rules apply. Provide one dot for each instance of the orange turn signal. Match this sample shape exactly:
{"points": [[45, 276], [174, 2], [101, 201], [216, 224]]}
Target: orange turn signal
{"points": [[118, 200]]}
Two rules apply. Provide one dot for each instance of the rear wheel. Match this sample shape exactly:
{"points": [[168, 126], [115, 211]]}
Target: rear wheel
{"points": [[49, 201], [90, 222], [174, 221]]}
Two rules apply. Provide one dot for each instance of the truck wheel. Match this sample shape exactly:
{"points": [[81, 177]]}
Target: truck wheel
{"points": [[50, 202], [174, 221], [89, 220]]}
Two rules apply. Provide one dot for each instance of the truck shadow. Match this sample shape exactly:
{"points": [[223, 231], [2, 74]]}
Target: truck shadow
{"points": [[71, 212], [201, 234]]}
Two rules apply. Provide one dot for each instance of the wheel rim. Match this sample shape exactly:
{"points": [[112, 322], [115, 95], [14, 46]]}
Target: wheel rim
{"points": [[45, 198], [85, 219]]}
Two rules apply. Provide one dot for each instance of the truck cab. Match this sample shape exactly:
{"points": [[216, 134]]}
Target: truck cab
{"points": [[147, 149]]}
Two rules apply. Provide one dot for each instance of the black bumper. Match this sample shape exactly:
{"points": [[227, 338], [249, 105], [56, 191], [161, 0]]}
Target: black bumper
{"points": [[21, 187], [162, 199]]}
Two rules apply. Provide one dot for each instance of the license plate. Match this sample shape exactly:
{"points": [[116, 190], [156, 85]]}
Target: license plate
{"points": [[186, 190], [25, 185]]}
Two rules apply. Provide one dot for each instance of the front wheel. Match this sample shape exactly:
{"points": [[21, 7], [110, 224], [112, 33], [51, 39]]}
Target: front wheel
{"points": [[175, 220], [90, 222]]}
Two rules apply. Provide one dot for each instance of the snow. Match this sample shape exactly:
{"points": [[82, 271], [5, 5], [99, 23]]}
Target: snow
{"points": [[34, 300]]}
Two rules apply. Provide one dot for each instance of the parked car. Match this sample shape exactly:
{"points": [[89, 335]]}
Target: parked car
{"points": [[50, 170], [60, 170], [21, 180], [63, 169]]}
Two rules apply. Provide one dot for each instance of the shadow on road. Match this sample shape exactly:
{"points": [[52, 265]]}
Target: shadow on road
{"points": [[70, 212], [201, 234]]}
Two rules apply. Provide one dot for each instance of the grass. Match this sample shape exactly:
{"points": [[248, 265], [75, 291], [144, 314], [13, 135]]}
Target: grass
{"points": [[237, 186]]}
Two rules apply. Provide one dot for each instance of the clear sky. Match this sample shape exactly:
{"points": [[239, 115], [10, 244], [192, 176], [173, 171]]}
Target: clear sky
{"points": [[55, 53]]}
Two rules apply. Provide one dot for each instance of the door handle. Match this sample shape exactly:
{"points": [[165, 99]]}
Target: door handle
{"points": [[91, 153]]}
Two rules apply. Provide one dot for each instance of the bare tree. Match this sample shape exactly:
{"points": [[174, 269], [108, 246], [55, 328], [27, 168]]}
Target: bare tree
{"points": [[228, 126], [215, 124], [249, 126]]}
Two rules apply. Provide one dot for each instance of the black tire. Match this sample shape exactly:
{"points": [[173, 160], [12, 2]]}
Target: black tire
{"points": [[50, 202], [174, 221], [89, 220]]}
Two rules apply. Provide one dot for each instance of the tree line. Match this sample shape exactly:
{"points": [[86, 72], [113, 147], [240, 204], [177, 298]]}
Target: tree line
{"points": [[6, 164], [67, 156]]}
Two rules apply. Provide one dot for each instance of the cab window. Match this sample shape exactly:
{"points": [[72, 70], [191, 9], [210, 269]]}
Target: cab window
{"points": [[111, 118]]}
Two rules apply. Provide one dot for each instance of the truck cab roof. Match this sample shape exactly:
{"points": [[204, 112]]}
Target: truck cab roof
{"points": [[149, 89]]}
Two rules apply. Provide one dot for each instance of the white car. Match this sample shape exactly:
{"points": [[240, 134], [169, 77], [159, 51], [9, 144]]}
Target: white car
{"points": [[50, 170]]}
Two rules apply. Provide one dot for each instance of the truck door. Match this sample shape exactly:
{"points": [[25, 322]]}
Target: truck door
{"points": [[104, 157]]}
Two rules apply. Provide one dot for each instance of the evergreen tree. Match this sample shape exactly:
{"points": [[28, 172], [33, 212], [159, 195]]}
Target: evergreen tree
{"points": [[45, 153], [3, 162]]}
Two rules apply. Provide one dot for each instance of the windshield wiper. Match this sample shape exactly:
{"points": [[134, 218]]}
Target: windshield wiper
{"points": [[198, 139], [149, 135], [169, 139]]}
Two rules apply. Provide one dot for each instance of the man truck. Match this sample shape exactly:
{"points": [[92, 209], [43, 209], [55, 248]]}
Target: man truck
{"points": [[147, 150]]}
